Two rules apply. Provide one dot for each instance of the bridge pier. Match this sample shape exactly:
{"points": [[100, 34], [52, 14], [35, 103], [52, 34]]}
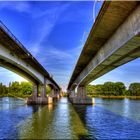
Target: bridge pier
{"points": [[81, 97], [55, 94], [42, 99]]}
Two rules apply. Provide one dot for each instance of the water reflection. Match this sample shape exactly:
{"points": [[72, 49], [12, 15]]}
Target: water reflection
{"points": [[10, 103], [62, 122], [107, 119], [124, 107]]}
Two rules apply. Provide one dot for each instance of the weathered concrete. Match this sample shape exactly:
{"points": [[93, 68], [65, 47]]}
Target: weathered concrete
{"points": [[19, 66], [113, 41], [33, 100], [81, 97], [122, 47], [111, 16], [55, 94], [43, 99]]}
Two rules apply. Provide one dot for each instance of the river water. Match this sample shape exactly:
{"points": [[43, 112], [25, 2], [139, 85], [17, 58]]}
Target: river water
{"points": [[106, 119]]}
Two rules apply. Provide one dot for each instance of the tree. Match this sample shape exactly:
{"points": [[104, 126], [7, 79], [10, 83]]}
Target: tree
{"points": [[120, 88], [3, 90], [15, 87], [26, 88], [134, 89], [108, 89], [48, 90]]}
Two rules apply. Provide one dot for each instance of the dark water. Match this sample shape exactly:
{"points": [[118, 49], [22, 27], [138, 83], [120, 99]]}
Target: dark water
{"points": [[107, 119]]}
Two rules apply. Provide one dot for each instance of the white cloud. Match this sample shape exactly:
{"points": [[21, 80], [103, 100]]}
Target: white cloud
{"points": [[46, 22], [58, 62], [19, 6]]}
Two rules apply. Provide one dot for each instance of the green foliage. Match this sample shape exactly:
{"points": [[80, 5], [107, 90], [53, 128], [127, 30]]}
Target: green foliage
{"points": [[48, 90], [107, 89], [26, 88], [3, 90], [134, 89], [65, 94], [17, 89]]}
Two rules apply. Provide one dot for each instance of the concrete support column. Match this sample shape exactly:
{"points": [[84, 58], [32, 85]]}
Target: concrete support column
{"points": [[35, 90], [81, 96], [58, 93], [43, 91], [42, 99], [72, 94], [81, 92], [52, 94], [43, 88]]}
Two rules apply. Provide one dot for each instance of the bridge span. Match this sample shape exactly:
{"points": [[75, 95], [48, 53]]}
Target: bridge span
{"points": [[113, 41], [15, 57]]}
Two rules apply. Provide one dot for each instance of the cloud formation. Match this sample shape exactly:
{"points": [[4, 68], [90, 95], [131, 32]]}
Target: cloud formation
{"points": [[55, 35], [45, 20]]}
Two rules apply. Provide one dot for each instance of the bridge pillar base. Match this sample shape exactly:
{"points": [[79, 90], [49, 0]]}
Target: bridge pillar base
{"points": [[54, 94], [81, 97], [82, 101], [55, 98], [39, 100]]}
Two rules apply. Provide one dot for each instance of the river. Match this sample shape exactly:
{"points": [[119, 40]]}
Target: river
{"points": [[106, 119]]}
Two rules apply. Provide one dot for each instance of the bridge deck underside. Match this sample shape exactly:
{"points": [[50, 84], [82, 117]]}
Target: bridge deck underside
{"points": [[129, 52], [110, 17], [9, 41]]}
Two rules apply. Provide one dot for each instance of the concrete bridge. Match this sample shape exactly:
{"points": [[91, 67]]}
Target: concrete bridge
{"points": [[113, 41], [15, 57]]}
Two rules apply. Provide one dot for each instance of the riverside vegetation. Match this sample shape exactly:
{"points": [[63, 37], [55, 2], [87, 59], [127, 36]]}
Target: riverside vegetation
{"points": [[18, 89], [106, 90], [114, 90]]}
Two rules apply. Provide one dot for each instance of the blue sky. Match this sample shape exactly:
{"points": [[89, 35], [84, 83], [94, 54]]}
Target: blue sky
{"points": [[55, 32]]}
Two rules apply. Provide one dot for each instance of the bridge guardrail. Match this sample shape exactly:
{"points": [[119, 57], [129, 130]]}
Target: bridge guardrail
{"points": [[12, 36]]}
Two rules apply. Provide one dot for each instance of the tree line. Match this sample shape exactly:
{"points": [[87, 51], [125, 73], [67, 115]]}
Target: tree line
{"points": [[114, 89], [19, 89]]}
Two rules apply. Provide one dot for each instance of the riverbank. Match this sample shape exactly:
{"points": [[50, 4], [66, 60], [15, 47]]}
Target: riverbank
{"points": [[117, 97], [21, 98]]}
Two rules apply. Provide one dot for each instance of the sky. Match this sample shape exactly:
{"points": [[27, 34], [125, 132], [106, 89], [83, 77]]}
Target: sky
{"points": [[55, 33]]}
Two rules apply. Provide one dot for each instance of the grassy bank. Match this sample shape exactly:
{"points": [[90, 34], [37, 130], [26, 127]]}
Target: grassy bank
{"points": [[10, 95]]}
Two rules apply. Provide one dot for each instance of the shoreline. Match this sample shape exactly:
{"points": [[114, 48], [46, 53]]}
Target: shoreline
{"points": [[20, 98], [95, 96], [117, 97]]}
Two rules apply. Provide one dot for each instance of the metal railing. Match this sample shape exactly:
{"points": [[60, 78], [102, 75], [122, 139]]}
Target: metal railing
{"points": [[12, 36]]}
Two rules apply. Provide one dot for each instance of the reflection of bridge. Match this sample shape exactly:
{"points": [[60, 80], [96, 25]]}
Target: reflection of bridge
{"points": [[113, 41], [15, 57]]}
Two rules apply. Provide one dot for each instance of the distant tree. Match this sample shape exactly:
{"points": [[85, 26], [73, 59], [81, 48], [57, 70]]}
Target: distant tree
{"points": [[3, 90], [119, 88], [15, 87], [134, 89], [23, 89], [26, 88], [91, 89], [48, 90], [108, 89]]}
